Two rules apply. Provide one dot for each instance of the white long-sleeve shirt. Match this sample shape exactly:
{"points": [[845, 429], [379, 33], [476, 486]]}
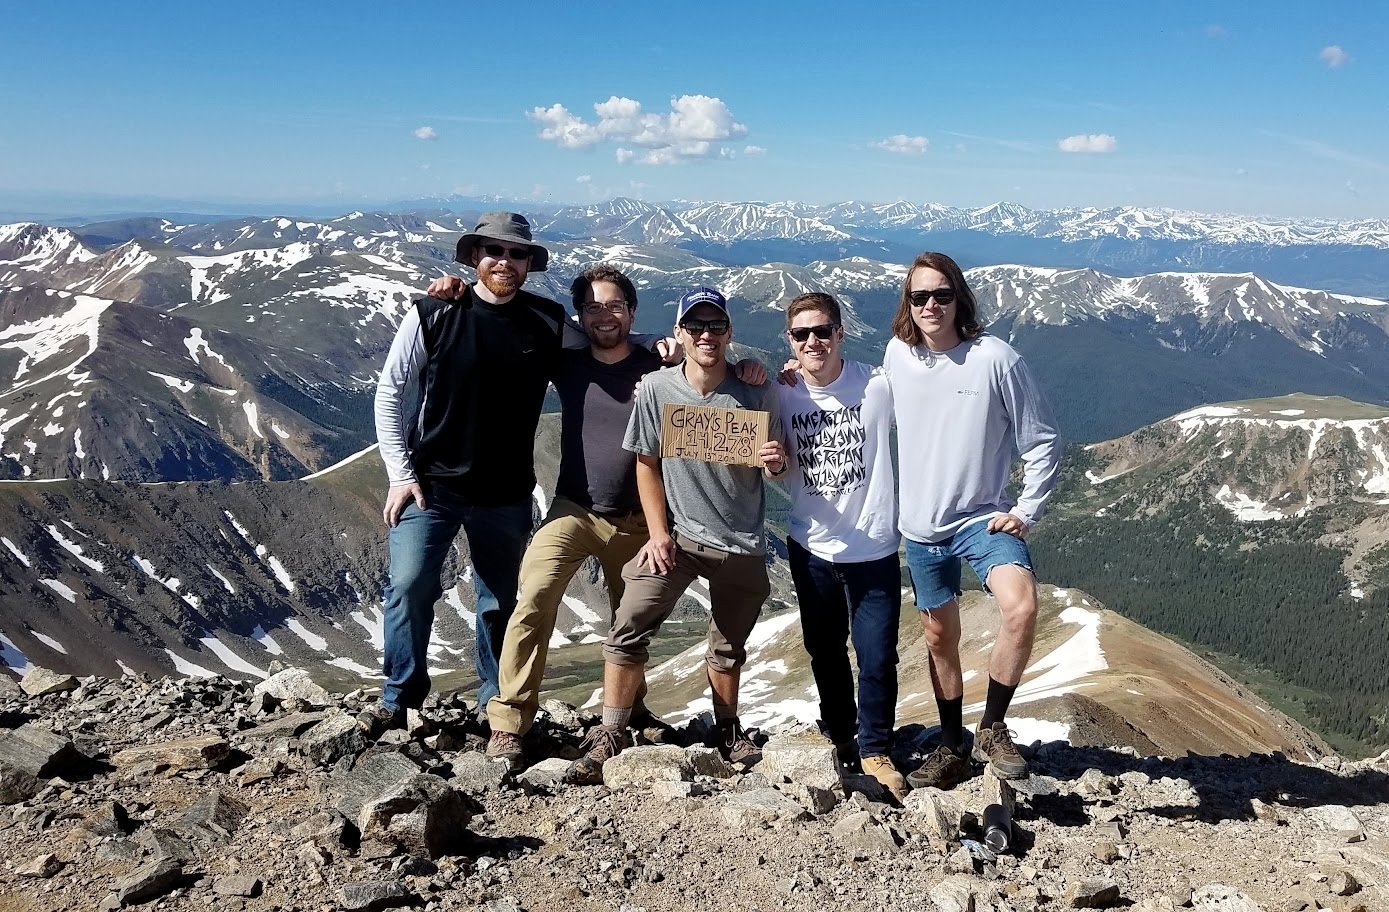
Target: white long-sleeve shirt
{"points": [[959, 415]]}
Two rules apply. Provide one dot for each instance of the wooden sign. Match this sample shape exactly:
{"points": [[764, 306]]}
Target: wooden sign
{"points": [[727, 436]]}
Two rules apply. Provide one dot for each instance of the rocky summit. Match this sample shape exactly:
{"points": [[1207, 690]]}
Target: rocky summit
{"points": [[210, 793]]}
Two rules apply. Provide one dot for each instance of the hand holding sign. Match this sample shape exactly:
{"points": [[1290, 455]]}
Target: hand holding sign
{"points": [[727, 436]]}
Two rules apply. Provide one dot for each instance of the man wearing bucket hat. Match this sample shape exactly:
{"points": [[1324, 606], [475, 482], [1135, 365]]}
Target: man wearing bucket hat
{"points": [[456, 412]]}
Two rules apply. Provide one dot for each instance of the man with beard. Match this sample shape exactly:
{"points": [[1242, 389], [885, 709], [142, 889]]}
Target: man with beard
{"points": [[595, 512], [457, 407]]}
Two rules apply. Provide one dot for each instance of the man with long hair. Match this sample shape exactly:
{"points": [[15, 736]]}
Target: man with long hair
{"points": [[963, 399]]}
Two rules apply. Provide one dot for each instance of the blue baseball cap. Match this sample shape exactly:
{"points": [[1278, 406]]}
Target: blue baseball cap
{"points": [[701, 295]]}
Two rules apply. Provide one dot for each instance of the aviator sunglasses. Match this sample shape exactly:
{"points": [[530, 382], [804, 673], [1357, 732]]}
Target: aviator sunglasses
{"points": [[822, 332], [699, 327], [497, 251], [944, 297]]}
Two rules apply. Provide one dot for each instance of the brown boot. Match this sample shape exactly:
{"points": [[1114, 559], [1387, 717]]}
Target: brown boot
{"points": [[885, 771]]}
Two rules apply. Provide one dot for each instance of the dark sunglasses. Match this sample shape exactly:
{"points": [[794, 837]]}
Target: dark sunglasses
{"points": [[699, 327], [944, 297], [497, 251], [824, 331]]}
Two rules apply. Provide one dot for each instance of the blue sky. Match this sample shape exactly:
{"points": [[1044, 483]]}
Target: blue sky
{"points": [[1274, 108]]}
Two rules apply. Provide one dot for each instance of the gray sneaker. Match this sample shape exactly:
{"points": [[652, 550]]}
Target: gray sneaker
{"points": [[506, 746], [943, 769], [377, 719], [994, 745], [602, 743]]}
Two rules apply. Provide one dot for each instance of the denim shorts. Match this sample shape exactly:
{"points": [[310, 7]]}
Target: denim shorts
{"points": [[935, 566]]}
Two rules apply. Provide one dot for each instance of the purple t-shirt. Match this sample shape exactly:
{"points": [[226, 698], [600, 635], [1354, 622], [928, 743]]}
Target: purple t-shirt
{"points": [[596, 402]]}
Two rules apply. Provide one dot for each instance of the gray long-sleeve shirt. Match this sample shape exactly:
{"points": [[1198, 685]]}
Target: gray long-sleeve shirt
{"points": [[959, 414]]}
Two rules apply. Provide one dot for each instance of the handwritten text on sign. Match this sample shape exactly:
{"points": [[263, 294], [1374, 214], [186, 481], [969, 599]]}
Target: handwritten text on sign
{"points": [[723, 435]]}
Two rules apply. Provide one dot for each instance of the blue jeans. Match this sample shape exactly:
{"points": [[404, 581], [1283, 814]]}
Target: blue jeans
{"points": [[935, 566], [859, 600], [419, 544]]}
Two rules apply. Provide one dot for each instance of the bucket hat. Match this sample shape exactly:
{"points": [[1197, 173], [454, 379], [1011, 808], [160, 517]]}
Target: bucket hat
{"points": [[508, 227]]}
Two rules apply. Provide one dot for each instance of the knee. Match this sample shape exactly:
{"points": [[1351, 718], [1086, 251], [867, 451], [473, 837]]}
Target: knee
{"points": [[941, 639], [1020, 609]]}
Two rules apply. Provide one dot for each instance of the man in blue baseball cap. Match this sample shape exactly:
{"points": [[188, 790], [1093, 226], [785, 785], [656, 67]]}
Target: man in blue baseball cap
{"points": [[705, 519]]}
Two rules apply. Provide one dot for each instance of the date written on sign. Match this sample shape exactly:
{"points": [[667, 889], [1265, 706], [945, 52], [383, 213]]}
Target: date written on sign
{"points": [[723, 435]]}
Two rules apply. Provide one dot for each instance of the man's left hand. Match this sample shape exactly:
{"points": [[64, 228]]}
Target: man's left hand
{"points": [[750, 371], [1007, 522]]}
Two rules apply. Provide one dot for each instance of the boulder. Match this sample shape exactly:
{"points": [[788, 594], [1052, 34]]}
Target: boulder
{"points": [[39, 682], [1220, 898], [1339, 820], [198, 752], [373, 777], [548, 773], [477, 772], [954, 894], [237, 885], [149, 881], [293, 684], [37, 751], [213, 818], [329, 829], [290, 726], [937, 811], [422, 815], [707, 761], [643, 765], [860, 833], [165, 844], [16, 784], [9, 687], [374, 895], [803, 756], [332, 739], [759, 807], [41, 867], [1092, 893]]}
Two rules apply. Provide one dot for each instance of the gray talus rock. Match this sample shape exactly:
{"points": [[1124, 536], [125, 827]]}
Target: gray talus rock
{"points": [[707, 761], [546, 774], [937, 811], [954, 894], [422, 815], [1092, 893], [373, 777], [17, 785], [149, 880], [1220, 898], [641, 766], [9, 687], [289, 726], [198, 752], [759, 807], [329, 829], [41, 867], [237, 885], [39, 682], [37, 751], [374, 895], [859, 832], [213, 818], [476, 772], [293, 684], [332, 739], [802, 755], [1339, 820]]}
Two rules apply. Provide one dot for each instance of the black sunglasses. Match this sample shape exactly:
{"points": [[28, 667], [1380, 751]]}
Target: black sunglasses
{"points": [[944, 297], [699, 327], [497, 251], [824, 331]]}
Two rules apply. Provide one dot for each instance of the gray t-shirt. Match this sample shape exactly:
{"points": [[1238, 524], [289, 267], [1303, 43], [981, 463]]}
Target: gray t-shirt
{"points": [[721, 506]]}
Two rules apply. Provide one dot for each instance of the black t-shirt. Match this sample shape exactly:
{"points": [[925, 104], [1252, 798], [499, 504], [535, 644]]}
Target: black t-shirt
{"points": [[596, 399], [488, 368]]}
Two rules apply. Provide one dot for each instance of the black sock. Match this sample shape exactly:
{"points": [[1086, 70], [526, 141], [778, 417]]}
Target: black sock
{"points": [[996, 704], [952, 726]]}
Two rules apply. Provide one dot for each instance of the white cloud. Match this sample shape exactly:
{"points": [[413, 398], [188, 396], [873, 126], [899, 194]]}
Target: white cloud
{"points": [[1088, 142], [1216, 31], [1350, 188], [695, 127], [1334, 56], [1241, 172], [426, 133], [583, 178], [903, 144], [754, 150]]}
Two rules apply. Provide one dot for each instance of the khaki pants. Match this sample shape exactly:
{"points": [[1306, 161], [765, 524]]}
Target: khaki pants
{"points": [[569, 535], [738, 586]]}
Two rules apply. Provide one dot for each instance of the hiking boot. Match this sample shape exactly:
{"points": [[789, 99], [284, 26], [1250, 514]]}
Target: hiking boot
{"points": [[994, 745], [849, 763], [378, 718], [943, 769], [883, 769], [505, 746], [735, 745], [602, 743], [652, 728]]}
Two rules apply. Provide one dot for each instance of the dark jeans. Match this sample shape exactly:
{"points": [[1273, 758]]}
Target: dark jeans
{"points": [[419, 544], [838, 601]]}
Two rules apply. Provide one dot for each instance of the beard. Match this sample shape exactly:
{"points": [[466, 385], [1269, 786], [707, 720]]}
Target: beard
{"points": [[502, 283], [607, 339]]}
